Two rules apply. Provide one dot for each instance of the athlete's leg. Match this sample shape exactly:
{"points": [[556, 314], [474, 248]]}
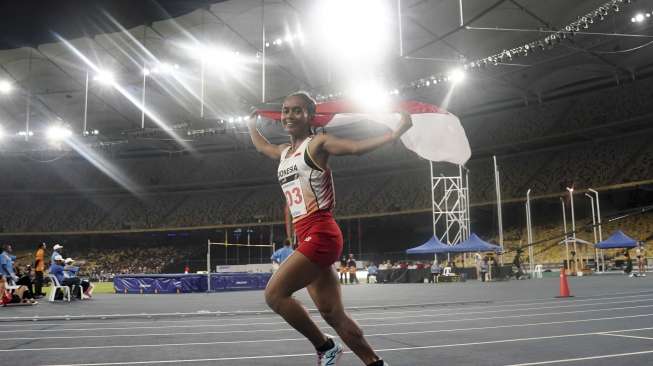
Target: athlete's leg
{"points": [[295, 273], [325, 292]]}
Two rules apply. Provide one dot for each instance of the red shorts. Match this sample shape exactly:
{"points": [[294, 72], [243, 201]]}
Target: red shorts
{"points": [[320, 238]]}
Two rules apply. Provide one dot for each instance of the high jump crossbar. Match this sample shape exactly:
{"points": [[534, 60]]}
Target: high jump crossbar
{"points": [[226, 245]]}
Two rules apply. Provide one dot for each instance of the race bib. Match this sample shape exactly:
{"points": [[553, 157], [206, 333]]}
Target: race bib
{"points": [[294, 197]]}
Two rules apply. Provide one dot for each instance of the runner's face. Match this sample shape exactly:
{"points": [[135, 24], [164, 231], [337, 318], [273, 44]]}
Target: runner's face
{"points": [[294, 115]]}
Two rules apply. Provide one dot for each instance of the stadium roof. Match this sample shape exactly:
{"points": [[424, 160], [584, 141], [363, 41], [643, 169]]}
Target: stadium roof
{"points": [[124, 36]]}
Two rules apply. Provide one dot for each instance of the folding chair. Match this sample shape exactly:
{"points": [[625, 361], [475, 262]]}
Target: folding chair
{"points": [[538, 271], [55, 285], [10, 284]]}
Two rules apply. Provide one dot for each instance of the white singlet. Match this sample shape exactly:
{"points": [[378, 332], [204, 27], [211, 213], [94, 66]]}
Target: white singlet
{"points": [[307, 187]]}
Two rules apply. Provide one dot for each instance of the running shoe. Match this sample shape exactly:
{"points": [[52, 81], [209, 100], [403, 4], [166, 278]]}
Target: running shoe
{"points": [[331, 356]]}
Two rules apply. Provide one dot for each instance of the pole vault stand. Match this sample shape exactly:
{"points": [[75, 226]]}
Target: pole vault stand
{"points": [[226, 246]]}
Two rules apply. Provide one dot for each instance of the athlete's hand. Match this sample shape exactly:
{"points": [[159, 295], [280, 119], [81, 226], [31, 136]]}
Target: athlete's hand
{"points": [[404, 125]]}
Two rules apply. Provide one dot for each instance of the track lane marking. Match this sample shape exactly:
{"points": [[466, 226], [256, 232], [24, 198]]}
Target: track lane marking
{"points": [[398, 349], [367, 335]]}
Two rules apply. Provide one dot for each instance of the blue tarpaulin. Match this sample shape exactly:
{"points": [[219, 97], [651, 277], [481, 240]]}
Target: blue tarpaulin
{"points": [[474, 244], [617, 240], [430, 247], [178, 283]]}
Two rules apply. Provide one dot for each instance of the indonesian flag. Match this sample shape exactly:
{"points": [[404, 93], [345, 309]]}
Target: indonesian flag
{"points": [[436, 135]]}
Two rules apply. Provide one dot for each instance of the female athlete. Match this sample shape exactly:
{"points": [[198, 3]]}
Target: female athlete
{"points": [[307, 183]]}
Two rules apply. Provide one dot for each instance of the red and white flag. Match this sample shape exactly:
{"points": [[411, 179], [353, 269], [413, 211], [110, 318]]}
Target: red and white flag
{"points": [[436, 135]]}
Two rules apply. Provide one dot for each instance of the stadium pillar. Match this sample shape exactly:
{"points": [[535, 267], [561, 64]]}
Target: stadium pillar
{"points": [[598, 219], [573, 227], [564, 224], [497, 186]]}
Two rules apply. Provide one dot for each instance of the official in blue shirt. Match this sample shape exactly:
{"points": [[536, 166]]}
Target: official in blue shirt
{"points": [[7, 263], [55, 252], [70, 271], [57, 269], [372, 270], [282, 253]]}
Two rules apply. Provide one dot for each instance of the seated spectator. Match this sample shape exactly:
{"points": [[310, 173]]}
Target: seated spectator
{"points": [[629, 265], [385, 266], [71, 271], [20, 295], [372, 270], [58, 270], [25, 277]]}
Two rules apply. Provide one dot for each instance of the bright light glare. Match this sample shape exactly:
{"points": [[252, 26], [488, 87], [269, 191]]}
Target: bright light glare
{"points": [[105, 77], [218, 57], [165, 68], [456, 76], [5, 87], [146, 71], [639, 17], [2, 133], [58, 133], [370, 96], [362, 28]]}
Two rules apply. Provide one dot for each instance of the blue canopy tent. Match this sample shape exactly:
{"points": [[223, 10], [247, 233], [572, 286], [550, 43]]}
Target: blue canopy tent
{"points": [[474, 244], [617, 240], [432, 246]]}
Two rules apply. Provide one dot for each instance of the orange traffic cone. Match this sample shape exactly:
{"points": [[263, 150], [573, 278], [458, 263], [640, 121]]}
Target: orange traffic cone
{"points": [[564, 285]]}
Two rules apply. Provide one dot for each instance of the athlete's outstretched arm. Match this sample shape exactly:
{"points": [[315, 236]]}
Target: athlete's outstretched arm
{"points": [[331, 145], [260, 142]]}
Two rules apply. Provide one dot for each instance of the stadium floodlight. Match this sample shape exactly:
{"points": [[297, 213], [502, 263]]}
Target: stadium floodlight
{"points": [[363, 30], [105, 77], [370, 96], [58, 133], [640, 17], [456, 76], [5, 87]]}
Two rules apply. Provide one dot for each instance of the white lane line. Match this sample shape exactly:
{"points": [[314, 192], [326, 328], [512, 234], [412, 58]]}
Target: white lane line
{"points": [[627, 336], [614, 355], [264, 312], [328, 329], [59, 330], [240, 358], [484, 309], [420, 312]]}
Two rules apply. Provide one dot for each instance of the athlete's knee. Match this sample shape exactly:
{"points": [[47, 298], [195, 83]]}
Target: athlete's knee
{"points": [[274, 297]]}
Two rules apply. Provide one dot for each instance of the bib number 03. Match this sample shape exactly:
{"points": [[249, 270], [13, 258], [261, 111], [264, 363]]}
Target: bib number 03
{"points": [[295, 198]]}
